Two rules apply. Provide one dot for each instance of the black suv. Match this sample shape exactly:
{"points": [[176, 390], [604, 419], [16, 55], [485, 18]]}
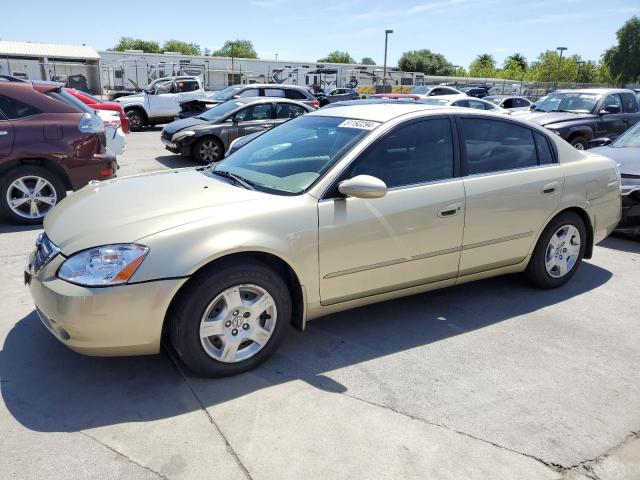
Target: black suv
{"points": [[580, 115]]}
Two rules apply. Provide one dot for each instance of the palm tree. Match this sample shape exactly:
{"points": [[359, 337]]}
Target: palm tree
{"points": [[516, 59], [486, 61]]}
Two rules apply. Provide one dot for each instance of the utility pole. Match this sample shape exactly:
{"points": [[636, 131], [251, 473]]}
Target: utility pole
{"points": [[384, 72], [233, 72], [578, 62], [559, 49]]}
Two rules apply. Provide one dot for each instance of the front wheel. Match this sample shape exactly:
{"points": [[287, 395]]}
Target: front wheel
{"points": [[559, 251], [579, 143], [136, 120], [208, 150], [28, 193], [231, 321]]}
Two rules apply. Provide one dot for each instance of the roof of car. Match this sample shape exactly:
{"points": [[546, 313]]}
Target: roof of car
{"points": [[248, 100], [596, 91], [381, 112], [272, 85]]}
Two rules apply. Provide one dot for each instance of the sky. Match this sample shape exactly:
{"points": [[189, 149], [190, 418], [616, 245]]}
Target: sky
{"points": [[306, 31]]}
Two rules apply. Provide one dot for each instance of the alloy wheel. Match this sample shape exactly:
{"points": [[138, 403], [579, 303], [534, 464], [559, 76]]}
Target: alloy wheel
{"points": [[563, 251], [238, 323], [578, 146], [31, 196], [209, 151]]}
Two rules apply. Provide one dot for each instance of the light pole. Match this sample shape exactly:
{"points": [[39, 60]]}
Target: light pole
{"points": [[559, 49], [455, 70], [276, 57], [384, 71], [233, 74], [578, 62]]}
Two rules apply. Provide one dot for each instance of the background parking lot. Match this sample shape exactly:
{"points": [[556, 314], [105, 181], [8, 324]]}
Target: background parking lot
{"points": [[492, 379]]}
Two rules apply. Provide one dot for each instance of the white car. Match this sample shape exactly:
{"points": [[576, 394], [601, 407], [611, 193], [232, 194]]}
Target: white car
{"points": [[160, 102], [116, 140], [463, 101]]}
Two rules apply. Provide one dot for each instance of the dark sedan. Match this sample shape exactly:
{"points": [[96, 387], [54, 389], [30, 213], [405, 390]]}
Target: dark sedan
{"points": [[207, 136], [625, 151]]}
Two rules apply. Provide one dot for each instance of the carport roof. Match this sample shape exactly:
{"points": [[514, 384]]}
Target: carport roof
{"points": [[28, 49]]}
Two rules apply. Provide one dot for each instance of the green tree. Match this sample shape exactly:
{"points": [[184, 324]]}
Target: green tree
{"points": [[129, 43], [623, 60], [425, 61], [367, 61], [483, 66], [183, 47], [236, 48], [337, 57], [517, 60], [545, 68]]}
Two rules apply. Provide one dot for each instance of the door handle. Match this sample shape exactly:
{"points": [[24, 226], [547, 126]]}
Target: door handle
{"points": [[450, 210], [265, 126], [550, 188], [3, 132]]}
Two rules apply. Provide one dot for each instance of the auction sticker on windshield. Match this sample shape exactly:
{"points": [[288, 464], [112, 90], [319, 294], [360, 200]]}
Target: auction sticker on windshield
{"points": [[361, 124]]}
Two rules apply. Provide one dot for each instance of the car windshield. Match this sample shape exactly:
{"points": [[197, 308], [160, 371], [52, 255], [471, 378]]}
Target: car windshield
{"points": [[226, 93], [289, 158], [630, 139], [568, 102], [435, 101], [420, 90], [219, 111], [495, 100]]}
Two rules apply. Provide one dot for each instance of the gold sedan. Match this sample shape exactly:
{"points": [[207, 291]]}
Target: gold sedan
{"points": [[339, 208]]}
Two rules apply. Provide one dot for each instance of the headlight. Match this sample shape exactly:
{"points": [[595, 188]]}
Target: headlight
{"points": [[103, 266], [181, 135]]}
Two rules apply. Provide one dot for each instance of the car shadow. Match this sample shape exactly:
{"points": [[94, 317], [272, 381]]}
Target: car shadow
{"points": [[623, 244], [46, 387], [176, 161], [6, 227]]}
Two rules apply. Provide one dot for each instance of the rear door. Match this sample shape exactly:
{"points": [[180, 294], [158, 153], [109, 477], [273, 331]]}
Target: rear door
{"points": [[188, 90], [512, 183], [287, 111]]}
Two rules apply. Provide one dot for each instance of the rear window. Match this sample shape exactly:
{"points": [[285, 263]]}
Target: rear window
{"points": [[69, 99], [295, 94], [14, 109]]}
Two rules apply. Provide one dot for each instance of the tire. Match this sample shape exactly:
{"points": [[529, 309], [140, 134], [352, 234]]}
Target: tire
{"points": [[538, 271], [209, 355], [136, 120], [207, 150], [579, 143], [39, 183]]}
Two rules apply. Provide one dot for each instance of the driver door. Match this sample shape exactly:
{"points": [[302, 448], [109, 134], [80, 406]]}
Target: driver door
{"points": [[413, 235], [164, 101], [611, 124], [255, 118]]}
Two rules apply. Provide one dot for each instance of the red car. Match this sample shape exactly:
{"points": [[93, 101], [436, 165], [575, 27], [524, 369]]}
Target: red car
{"points": [[98, 104]]}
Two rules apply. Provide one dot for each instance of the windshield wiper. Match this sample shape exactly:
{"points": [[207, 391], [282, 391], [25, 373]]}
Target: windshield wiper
{"points": [[248, 184]]}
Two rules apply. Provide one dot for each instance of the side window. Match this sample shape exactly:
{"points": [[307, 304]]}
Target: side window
{"points": [[461, 103], [545, 154], [612, 100], [436, 91], [410, 154], [295, 94], [249, 92], [262, 111], [476, 104], [168, 87], [493, 145], [14, 109], [521, 102], [274, 92], [287, 110], [629, 102], [508, 103], [187, 86]]}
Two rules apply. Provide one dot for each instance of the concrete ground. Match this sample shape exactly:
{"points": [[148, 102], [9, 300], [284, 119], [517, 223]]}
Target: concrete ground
{"points": [[489, 380]]}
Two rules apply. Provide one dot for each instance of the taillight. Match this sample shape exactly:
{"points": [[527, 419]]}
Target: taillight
{"points": [[113, 122], [314, 103], [91, 124]]}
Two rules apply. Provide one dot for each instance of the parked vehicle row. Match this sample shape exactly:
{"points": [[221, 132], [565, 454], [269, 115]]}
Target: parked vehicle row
{"points": [[336, 208]]}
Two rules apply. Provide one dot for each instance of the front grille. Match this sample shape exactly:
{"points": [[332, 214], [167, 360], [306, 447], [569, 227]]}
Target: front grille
{"points": [[44, 252]]}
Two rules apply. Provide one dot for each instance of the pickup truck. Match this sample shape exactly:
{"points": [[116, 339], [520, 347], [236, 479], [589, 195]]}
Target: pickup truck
{"points": [[160, 102], [578, 116]]}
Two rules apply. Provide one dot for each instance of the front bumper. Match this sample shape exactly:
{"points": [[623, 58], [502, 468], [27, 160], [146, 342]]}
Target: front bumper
{"points": [[105, 321]]}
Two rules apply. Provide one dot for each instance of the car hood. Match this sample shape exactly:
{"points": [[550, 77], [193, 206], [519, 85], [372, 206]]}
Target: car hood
{"points": [[127, 209], [627, 158], [548, 118], [178, 125], [127, 99]]}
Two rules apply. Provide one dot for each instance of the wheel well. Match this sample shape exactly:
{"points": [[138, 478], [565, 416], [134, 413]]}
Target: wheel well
{"points": [[586, 134], [139, 110], [274, 262], [588, 251], [41, 162]]}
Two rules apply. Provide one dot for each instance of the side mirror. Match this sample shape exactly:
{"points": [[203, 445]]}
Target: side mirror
{"points": [[610, 109], [363, 186], [599, 142]]}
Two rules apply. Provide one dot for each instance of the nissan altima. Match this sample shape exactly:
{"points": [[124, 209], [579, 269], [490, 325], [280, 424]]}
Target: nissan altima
{"points": [[332, 210]]}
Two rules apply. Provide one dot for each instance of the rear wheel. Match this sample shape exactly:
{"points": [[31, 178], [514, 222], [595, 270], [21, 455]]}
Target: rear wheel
{"points": [[136, 120], [207, 150], [559, 251], [232, 321], [28, 193]]}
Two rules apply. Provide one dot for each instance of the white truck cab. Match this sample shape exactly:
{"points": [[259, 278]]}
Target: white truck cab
{"points": [[160, 101]]}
